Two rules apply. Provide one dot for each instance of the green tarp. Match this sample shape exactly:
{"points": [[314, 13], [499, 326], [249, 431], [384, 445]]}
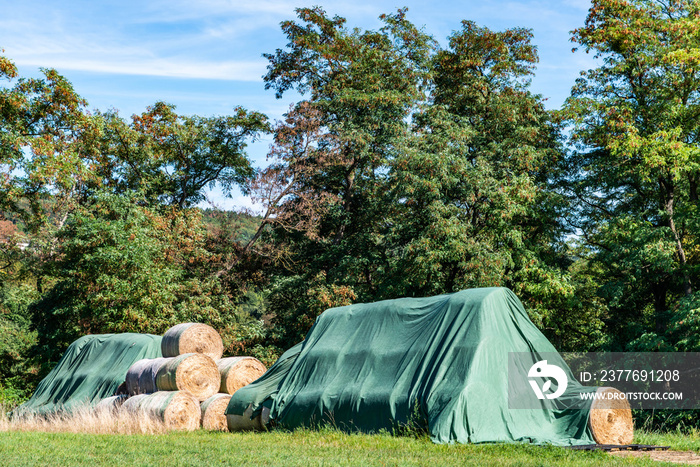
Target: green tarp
{"points": [[262, 391], [442, 359], [91, 369]]}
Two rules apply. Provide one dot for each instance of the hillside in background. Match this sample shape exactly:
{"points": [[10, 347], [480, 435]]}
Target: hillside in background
{"points": [[241, 224]]}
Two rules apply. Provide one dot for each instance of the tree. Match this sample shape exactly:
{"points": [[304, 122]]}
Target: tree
{"points": [[411, 170], [45, 158], [362, 86], [474, 187], [18, 369], [325, 191], [288, 188], [467, 177], [635, 172], [42, 121], [173, 158], [55, 157], [100, 258], [128, 267]]}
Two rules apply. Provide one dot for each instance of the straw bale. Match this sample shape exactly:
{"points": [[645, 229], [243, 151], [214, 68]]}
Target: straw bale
{"points": [[247, 422], [110, 404], [131, 405], [193, 372], [237, 372], [192, 338], [141, 376], [213, 416], [610, 419], [177, 410]]}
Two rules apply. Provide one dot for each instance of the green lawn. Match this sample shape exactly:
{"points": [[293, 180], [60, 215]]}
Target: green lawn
{"points": [[325, 447]]}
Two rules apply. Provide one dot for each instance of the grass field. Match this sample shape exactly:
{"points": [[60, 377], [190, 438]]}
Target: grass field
{"points": [[302, 447], [90, 437]]}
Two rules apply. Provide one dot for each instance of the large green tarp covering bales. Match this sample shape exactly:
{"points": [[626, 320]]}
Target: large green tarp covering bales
{"points": [[441, 359], [91, 369]]}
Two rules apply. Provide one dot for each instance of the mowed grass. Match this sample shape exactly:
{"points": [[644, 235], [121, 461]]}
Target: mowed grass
{"points": [[301, 447]]}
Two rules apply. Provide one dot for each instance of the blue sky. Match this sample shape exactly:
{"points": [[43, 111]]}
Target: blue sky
{"points": [[204, 56]]}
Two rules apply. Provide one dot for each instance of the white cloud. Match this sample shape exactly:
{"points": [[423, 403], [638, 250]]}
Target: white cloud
{"points": [[190, 56], [174, 67], [178, 10]]}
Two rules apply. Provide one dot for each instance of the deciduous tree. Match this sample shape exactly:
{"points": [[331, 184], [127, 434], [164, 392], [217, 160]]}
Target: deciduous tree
{"points": [[172, 158], [126, 266], [636, 168]]}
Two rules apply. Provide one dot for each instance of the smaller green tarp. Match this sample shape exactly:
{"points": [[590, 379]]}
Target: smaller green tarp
{"points": [[91, 369]]}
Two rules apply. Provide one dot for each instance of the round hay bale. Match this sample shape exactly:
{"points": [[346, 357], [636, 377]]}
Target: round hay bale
{"points": [[193, 372], [141, 376], [213, 416], [192, 338], [110, 404], [246, 423], [610, 418], [237, 372], [131, 405], [177, 410]]}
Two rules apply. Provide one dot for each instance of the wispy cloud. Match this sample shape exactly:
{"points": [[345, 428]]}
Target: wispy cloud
{"points": [[173, 68], [178, 10], [82, 51], [210, 39], [224, 39]]}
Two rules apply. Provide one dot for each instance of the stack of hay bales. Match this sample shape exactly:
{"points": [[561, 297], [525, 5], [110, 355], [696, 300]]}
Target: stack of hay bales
{"points": [[190, 386]]}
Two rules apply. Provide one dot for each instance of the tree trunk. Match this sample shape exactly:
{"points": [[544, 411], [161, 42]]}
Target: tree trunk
{"points": [[347, 201], [668, 188]]}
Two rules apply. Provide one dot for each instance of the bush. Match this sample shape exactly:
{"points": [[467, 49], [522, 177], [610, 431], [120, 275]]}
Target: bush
{"points": [[18, 372], [667, 420]]}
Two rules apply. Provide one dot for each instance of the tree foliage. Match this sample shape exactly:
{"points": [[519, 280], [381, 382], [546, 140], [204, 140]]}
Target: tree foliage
{"points": [[406, 168], [468, 176], [635, 173], [97, 219], [326, 190], [127, 267], [410, 170], [43, 152], [173, 158]]}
